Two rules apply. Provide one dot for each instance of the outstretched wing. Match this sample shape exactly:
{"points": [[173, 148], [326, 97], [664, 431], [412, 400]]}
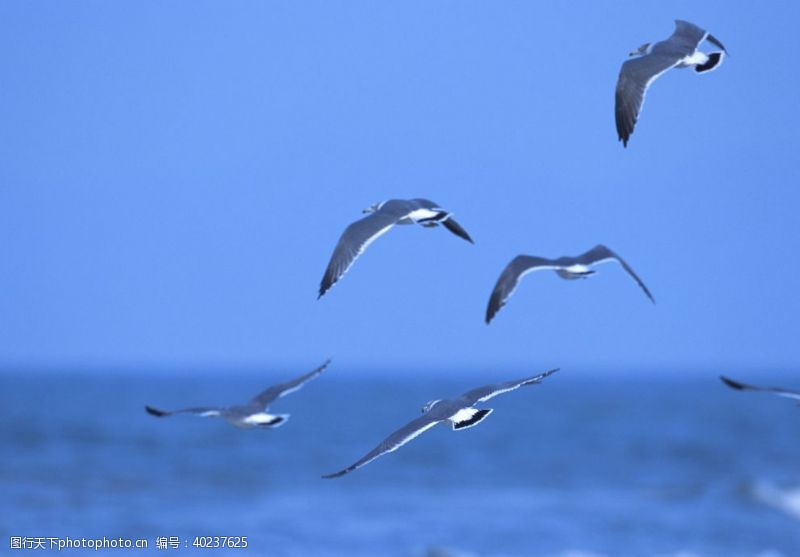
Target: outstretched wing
{"points": [[450, 224], [358, 236], [774, 390], [507, 282], [283, 389], [202, 412], [688, 36], [713, 40], [448, 221], [684, 39], [635, 78], [601, 253], [396, 440], [482, 394]]}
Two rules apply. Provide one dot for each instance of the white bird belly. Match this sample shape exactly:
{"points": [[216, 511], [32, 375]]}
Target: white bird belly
{"points": [[259, 419], [694, 59], [463, 415], [578, 269]]}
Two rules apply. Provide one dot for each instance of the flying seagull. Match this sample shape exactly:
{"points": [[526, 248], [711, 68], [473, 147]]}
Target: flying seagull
{"points": [[568, 268], [253, 413], [460, 412], [382, 216], [652, 60], [794, 395]]}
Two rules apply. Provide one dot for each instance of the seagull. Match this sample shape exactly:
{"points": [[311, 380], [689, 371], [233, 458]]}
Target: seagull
{"points": [[382, 216], [568, 268], [794, 395], [460, 412], [253, 413], [653, 59]]}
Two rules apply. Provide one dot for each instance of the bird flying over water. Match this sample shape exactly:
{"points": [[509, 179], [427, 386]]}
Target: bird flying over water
{"points": [[383, 216], [253, 413], [680, 50], [566, 267], [459, 412], [794, 395]]}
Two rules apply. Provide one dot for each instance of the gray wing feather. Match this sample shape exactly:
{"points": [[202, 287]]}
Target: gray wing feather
{"points": [[775, 390], [450, 224], [423, 203], [508, 280], [283, 389], [200, 411], [482, 394], [602, 253], [392, 443], [358, 236], [684, 40], [635, 77], [715, 41]]}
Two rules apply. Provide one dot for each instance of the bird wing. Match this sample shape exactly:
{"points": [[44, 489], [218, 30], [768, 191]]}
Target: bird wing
{"points": [[684, 39], [635, 77], [450, 224], [422, 203], [203, 412], [715, 41], [283, 389], [507, 282], [775, 390], [601, 253], [482, 394], [413, 429], [359, 235]]}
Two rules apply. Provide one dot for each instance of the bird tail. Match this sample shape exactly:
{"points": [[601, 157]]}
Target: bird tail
{"points": [[714, 60]]}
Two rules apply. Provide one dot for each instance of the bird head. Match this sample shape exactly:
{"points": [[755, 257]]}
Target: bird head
{"points": [[641, 51], [429, 405]]}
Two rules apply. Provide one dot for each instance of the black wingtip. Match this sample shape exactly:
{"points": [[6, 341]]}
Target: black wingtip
{"points": [[494, 307], [324, 365], [326, 283], [732, 384], [334, 475], [155, 412], [716, 42], [546, 374], [453, 226]]}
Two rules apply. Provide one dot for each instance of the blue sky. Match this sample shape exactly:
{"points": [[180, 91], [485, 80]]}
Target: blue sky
{"points": [[175, 176]]}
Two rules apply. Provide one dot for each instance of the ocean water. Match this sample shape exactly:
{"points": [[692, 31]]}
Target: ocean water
{"points": [[577, 466]]}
